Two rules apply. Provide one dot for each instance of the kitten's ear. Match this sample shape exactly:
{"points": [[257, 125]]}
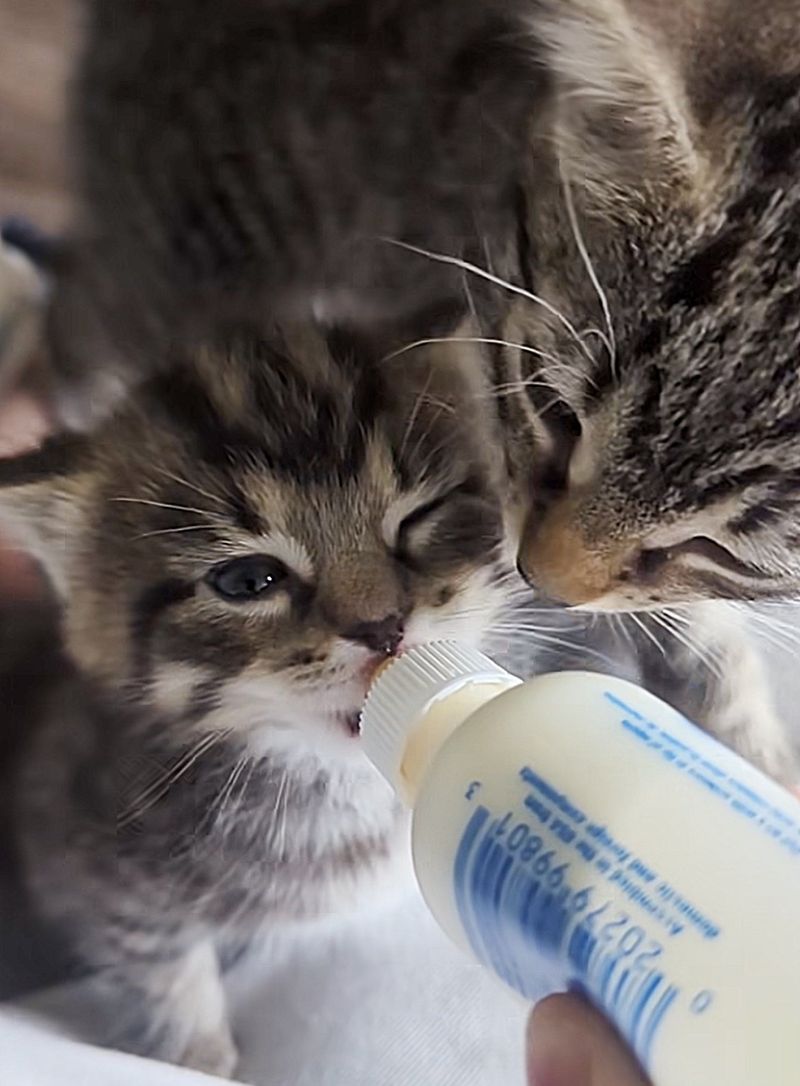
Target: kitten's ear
{"points": [[40, 501], [623, 124]]}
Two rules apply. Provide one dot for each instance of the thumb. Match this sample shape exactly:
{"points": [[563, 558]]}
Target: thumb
{"points": [[571, 1044]]}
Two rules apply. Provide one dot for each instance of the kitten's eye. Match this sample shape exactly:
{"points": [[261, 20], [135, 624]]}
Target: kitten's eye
{"points": [[649, 563], [701, 546], [420, 514], [469, 488], [415, 529], [460, 526], [253, 577]]}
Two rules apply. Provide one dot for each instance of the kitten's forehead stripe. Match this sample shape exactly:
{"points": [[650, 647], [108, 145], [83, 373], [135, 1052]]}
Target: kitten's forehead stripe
{"points": [[525, 248], [296, 426], [346, 349], [779, 149], [245, 514], [698, 280], [148, 609], [58, 456], [755, 517], [187, 403]]}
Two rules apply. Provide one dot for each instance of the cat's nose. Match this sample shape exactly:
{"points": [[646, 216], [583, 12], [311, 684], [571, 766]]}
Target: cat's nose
{"points": [[555, 559], [384, 635]]}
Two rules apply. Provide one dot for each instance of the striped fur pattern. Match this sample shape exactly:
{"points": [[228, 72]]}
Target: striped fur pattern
{"points": [[254, 156], [236, 551], [665, 399], [645, 363], [652, 402], [199, 774]]}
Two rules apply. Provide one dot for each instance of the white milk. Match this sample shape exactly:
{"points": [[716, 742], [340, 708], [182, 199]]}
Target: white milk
{"points": [[576, 828]]}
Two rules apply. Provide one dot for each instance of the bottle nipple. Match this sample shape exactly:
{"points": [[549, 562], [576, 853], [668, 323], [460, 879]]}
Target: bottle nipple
{"points": [[402, 695]]}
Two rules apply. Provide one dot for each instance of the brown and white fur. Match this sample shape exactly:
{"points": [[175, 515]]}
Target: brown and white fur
{"points": [[647, 365], [236, 550], [650, 465]]}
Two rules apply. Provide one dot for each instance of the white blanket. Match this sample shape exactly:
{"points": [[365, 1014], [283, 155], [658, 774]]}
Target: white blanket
{"points": [[379, 1000]]}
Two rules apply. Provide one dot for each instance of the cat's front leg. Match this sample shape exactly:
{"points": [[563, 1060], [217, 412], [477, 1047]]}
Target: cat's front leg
{"points": [[173, 1010], [711, 669], [740, 706]]}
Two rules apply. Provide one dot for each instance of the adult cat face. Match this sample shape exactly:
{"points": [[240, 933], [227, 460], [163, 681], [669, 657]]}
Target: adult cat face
{"points": [[660, 398], [253, 533]]}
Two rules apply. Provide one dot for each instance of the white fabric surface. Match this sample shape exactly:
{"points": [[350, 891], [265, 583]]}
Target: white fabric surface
{"points": [[381, 999]]}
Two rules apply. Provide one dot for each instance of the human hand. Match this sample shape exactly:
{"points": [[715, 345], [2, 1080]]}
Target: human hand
{"points": [[571, 1044]]}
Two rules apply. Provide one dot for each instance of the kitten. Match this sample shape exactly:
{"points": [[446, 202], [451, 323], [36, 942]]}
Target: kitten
{"points": [[236, 550], [188, 223], [659, 405], [255, 156]]}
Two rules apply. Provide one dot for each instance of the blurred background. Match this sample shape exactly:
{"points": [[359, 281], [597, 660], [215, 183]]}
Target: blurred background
{"points": [[37, 42], [37, 39]]}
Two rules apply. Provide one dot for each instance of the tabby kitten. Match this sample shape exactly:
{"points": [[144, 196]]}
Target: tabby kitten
{"points": [[655, 436], [236, 551], [668, 263], [253, 156], [644, 175]]}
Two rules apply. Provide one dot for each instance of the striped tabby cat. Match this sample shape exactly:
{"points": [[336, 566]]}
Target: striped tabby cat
{"points": [[608, 156], [277, 510], [654, 431], [236, 551]]}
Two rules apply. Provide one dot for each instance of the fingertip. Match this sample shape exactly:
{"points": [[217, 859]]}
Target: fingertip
{"points": [[572, 1044], [557, 1050]]}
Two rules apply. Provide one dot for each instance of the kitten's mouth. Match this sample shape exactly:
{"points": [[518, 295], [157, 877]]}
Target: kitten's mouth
{"points": [[349, 722], [352, 722]]}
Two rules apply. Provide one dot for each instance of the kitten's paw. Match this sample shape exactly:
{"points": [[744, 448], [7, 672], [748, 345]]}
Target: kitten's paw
{"points": [[752, 727], [768, 746], [213, 1053]]}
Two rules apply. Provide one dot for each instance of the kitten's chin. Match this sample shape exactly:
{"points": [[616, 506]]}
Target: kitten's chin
{"points": [[329, 736]]}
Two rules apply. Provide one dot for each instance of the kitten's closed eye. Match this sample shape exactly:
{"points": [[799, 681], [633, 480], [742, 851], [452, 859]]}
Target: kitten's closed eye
{"points": [[458, 520], [416, 528], [650, 562], [252, 577]]}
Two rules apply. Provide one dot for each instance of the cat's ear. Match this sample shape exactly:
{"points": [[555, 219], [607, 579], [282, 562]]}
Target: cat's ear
{"points": [[623, 125], [40, 502]]}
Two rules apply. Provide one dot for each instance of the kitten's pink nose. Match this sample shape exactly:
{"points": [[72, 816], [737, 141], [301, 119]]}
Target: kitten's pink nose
{"points": [[384, 636], [555, 557]]}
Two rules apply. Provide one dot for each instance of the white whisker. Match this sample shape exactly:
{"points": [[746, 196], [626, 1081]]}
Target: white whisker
{"points": [[165, 505], [280, 811], [684, 638], [412, 418], [465, 265], [223, 798], [610, 339], [185, 482], [524, 347], [159, 788], [641, 624], [174, 531]]}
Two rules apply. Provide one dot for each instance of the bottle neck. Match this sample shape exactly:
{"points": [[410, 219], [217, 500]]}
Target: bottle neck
{"points": [[440, 718]]}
